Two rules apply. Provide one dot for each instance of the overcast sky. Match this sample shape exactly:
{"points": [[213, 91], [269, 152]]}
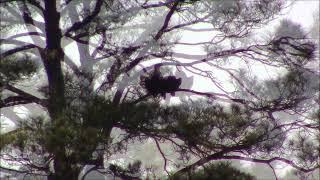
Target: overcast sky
{"points": [[301, 12]]}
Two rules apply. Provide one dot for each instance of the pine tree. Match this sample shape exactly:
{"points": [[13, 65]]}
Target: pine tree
{"points": [[78, 67]]}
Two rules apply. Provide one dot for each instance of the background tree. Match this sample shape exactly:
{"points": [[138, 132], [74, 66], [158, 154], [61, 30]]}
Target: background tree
{"points": [[83, 110]]}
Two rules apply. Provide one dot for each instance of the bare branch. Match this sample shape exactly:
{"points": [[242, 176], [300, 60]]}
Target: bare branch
{"points": [[220, 155], [36, 4], [22, 98], [26, 34], [268, 161], [209, 158], [78, 25], [167, 20], [163, 156], [16, 50]]}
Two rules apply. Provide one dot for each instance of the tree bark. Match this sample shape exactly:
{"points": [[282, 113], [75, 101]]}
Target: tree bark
{"points": [[52, 56]]}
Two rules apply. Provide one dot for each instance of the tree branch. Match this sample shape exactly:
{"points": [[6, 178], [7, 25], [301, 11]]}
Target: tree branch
{"points": [[118, 94], [16, 50], [208, 158], [163, 156], [78, 25], [36, 4], [25, 34], [22, 98], [268, 161], [220, 155], [167, 20]]}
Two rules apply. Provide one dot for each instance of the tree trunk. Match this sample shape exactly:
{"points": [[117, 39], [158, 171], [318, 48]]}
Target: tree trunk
{"points": [[64, 170], [52, 56], [69, 175]]}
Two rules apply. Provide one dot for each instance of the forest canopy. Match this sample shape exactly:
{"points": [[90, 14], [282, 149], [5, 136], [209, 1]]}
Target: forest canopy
{"points": [[172, 89]]}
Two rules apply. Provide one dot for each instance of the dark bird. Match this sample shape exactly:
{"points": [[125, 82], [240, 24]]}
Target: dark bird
{"points": [[156, 84]]}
